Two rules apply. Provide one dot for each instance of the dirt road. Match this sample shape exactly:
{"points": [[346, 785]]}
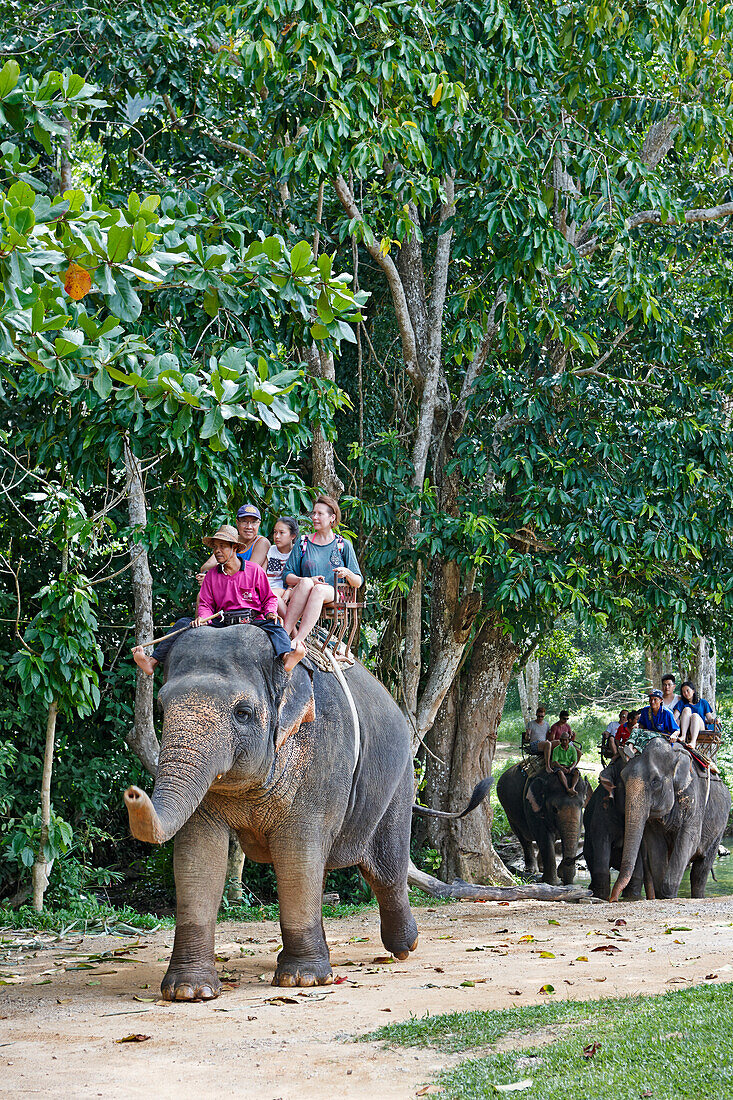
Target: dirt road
{"points": [[62, 1012]]}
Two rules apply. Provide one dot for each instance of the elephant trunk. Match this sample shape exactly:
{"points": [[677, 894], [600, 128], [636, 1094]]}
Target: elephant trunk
{"points": [[637, 815], [184, 776], [569, 827]]}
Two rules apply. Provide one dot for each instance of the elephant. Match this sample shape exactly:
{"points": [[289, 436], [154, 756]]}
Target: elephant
{"points": [[603, 829], [278, 758], [679, 814], [559, 815]]}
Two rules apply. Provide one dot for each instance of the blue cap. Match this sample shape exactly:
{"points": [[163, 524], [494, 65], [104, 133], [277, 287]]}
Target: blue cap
{"points": [[655, 693], [249, 510]]}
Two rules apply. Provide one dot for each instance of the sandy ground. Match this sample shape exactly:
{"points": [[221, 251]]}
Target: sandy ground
{"points": [[59, 1023]]}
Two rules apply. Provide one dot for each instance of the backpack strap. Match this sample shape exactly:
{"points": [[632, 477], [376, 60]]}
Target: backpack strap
{"points": [[340, 545], [303, 543]]}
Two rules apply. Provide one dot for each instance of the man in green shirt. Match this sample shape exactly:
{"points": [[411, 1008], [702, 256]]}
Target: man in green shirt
{"points": [[564, 762]]}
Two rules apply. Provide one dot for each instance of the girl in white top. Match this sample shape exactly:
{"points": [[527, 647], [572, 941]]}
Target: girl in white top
{"points": [[284, 535]]}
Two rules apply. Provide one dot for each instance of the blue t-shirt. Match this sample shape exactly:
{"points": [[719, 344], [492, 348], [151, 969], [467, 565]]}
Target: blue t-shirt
{"points": [[320, 561], [701, 707], [663, 722]]}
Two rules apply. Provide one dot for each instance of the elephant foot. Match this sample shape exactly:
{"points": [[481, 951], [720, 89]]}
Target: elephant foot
{"points": [[401, 940], [292, 971], [190, 984]]}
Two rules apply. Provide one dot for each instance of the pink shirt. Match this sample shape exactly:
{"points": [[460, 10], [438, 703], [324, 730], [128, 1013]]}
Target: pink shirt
{"points": [[247, 588]]}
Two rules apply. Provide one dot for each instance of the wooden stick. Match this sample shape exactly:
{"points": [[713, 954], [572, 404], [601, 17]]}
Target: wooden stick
{"points": [[154, 641]]}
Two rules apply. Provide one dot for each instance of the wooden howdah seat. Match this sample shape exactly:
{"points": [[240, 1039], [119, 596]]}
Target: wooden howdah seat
{"points": [[338, 625], [708, 743]]}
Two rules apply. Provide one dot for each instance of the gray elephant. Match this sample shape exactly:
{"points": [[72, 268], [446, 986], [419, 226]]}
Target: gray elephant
{"points": [[275, 757], [558, 816], [679, 813], [603, 829]]}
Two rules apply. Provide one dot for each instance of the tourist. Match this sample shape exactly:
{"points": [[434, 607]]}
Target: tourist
{"points": [[693, 714], [252, 545], [316, 565], [536, 733], [670, 699], [556, 731], [241, 591], [655, 721], [284, 535]]}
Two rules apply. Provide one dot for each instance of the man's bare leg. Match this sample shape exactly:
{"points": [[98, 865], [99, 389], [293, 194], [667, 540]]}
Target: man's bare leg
{"points": [[296, 654], [147, 664]]}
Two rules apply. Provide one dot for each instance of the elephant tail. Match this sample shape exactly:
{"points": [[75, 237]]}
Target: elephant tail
{"points": [[480, 791]]}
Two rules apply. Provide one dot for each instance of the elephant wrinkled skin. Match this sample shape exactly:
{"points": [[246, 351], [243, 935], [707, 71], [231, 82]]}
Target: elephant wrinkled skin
{"points": [[678, 813], [247, 747], [559, 817], [603, 828]]}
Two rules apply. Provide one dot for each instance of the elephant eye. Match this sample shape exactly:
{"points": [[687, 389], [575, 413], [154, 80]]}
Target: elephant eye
{"points": [[242, 712]]}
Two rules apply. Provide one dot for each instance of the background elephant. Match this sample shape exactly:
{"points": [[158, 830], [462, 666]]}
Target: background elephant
{"points": [[680, 814], [275, 757], [603, 829], [559, 817]]}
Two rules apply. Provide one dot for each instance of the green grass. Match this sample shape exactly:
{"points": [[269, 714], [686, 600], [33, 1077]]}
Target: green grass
{"points": [[674, 1046]]}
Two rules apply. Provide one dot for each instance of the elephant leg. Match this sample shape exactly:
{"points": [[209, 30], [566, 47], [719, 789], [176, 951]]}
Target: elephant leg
{"points": [[599, 865], [299, 867], [657, 854], [633, 890], [546, 845], [384, 867], [685, 844], [199, 863], [530, 856], [699, 872]]}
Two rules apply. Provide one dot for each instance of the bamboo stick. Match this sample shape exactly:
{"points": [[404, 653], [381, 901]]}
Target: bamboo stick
{"points": [[154, 641]]}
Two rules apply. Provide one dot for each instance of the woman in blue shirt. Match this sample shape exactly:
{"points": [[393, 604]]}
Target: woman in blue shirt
{"points": [[693, 714], [315, 567]]}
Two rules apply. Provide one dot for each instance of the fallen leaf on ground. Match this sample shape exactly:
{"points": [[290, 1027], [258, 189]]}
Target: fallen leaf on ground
{"points": [[133, 1039], [678, 941], [381, 959], [568, 982], [340, 980], [553, 921], [547, 989], [710, 977], [515, 1086], [145, 1000], [620, 922], [599, 979], [609, 948], [386, 1010], [546, 955], [591, 1050], [63, 1000], [469, 984], [439, 970], [281, 1001], [524, 939], [582, 959], [515, 993], [676, 928]]}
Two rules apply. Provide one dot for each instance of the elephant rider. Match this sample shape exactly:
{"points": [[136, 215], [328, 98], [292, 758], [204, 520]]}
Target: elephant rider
{"points": [[693, 714], [564, 763], [252, 545], [655, 721], [316, 566], [536, 733], [556, 731], [624, 731], [242, 591]]}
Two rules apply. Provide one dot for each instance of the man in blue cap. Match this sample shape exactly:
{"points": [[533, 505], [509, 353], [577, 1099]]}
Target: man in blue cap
{"points": [[252, 545], [655, 721]]}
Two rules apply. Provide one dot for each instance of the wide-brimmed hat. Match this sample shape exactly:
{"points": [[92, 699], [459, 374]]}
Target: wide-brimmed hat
{"points": [[226, 533]]}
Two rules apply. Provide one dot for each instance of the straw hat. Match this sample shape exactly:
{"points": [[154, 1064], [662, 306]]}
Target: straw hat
{"points": [[226, 533]]}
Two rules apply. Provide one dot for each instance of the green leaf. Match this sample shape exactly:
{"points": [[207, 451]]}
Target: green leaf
{"points": [[102, 383], [119, 239], [300, 257], [9, 75], [211, 301]]}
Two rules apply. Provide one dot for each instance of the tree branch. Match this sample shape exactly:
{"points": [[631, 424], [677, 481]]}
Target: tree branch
{"points": [[387, 264], [705, 214]]}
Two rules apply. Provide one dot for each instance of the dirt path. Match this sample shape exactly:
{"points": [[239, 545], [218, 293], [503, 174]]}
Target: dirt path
{"points": [[59, 1037]]}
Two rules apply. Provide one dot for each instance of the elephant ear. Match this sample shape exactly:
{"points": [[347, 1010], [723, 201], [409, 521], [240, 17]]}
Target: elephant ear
{"points": [[682, 772], [297, 705]]}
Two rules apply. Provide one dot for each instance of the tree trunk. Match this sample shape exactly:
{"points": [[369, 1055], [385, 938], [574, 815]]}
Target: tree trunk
{"points": [[655, 666], [42, 867], [532, 680], [141, 738], [464, 736], [704, 669], [65, 181], [325, 478]]}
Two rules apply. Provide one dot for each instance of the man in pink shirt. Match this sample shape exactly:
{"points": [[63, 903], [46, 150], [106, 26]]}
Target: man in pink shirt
{"points": [[239, 589]]}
